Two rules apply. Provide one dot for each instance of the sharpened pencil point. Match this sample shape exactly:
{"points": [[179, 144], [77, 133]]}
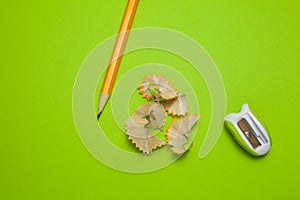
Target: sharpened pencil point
{"points": [[98, 116]]}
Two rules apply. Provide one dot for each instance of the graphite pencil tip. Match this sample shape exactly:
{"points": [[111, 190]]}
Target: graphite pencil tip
{"points": [[98, 116]]}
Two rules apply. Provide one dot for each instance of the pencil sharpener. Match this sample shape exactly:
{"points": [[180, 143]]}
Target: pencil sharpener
{"points": [[249, 131]]}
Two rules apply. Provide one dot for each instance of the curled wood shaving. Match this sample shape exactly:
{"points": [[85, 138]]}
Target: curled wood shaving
{"points": [[179, 132], [148, 144], [159, 86], [177, 106], [157, 116], [146, 117]]}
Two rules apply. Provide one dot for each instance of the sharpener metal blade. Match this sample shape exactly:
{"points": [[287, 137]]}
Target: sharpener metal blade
{"points": [[248, 132]]}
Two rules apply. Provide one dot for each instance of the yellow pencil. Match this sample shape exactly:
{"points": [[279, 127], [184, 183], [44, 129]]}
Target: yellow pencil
{"points": [[116, 56]]}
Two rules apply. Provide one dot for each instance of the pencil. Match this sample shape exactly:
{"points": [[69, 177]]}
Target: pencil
{"points": [[116, 56]]}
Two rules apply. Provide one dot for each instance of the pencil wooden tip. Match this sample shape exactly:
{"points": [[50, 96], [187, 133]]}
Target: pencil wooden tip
{"points": [[103, 100], [98, 116]]}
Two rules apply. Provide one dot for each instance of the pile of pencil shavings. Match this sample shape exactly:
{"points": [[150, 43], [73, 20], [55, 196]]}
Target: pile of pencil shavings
{"points": [[150, 117]]}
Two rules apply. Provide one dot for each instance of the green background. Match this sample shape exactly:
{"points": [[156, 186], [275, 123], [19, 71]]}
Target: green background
{"points": [[255, 45]]}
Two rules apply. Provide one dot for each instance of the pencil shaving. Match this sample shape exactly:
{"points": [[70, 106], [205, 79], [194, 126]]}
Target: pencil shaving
{"points": [[177, 106], [157, 116], [179, 133], [146, 118], [148, 144], [157, 87]]}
